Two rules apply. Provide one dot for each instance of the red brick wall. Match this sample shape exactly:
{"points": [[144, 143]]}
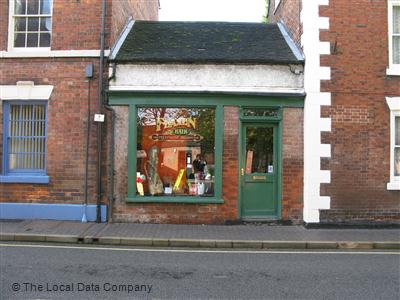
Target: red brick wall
{"points": [[76, 24], [360, 136], [66, 140], [3, 25], [230, 167], [292, 165], [138, 10], [288, 12]]}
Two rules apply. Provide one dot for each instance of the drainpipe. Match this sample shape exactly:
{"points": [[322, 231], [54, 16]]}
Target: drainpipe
{"points": [[100, 107], [89, 76], [111, 170]]}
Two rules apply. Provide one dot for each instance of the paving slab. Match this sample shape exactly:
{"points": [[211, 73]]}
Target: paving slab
{"points": [[211, 236], [13, 226]]}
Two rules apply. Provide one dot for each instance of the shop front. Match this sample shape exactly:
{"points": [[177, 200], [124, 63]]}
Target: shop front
{"points": [[206, 142]]}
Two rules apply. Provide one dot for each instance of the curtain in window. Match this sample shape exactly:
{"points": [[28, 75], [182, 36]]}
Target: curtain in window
{"points": [[27, 137]]}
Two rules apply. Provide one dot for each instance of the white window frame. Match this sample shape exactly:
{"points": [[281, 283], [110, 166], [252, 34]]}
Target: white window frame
{"points": [[393, 69], [394, 106], [11, 21]]}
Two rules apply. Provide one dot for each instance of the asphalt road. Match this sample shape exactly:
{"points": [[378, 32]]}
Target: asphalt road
{"points": [[67, 272]]}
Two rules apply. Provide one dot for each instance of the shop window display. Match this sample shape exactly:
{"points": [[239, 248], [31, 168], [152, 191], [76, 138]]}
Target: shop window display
{"points": [[175, 151]]}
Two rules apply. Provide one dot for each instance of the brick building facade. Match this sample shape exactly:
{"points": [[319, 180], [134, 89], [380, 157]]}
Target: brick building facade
{"points": [[331, 121], [353, 47], [53, 73]]}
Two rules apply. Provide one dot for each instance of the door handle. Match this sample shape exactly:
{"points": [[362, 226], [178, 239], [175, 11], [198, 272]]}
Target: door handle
{"points": [[242, 171]]}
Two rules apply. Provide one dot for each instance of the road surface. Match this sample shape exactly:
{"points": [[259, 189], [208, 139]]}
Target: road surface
{"points": [[50, 271]]}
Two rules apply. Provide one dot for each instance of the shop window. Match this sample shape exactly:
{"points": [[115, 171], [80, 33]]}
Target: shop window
{"points": [[175, 152], [31, 23], [24, 145]]}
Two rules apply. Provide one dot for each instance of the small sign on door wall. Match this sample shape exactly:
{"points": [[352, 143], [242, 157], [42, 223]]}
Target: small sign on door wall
{"points": [[270, 169]]}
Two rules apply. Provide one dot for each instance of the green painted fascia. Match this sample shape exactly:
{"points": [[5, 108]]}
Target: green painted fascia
{"points": [[191, 99], [279, 175], [132, 137]]}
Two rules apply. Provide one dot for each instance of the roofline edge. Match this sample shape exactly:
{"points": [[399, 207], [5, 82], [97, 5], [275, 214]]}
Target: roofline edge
{"points": [[121, 39], [296, 51]]}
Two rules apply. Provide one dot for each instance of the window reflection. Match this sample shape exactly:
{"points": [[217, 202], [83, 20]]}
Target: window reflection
{"points": [[175, 151]]}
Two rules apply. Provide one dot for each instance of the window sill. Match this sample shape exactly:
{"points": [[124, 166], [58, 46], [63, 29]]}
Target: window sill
{"points": [[393, 71], [188, 199], [393, 186], [46, 52], [41, 179]]}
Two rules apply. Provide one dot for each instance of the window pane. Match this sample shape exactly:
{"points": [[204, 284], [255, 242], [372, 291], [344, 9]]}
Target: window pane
{"points": [[397, 131], [396, 49], [396, 19], [44, 40], [20, 7], [397, 161], [19, 40], [33, 24], [20, 24], [259, 150], [32, 40], [45, 24], [33, 7], [175, 151], [45, 7]]}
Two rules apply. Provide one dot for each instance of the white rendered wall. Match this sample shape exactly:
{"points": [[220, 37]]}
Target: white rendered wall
{"points": [[212, 78], [313, 123]]}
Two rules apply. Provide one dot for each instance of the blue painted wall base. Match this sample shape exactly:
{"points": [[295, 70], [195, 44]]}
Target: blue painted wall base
{"points": [[62, 212]]}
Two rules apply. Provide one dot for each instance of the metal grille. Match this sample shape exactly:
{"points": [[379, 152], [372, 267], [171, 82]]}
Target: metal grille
{"points": [[26, 137]]}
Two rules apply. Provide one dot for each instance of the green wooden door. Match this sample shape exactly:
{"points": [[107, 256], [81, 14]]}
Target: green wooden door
{"points": [[259, 167]]}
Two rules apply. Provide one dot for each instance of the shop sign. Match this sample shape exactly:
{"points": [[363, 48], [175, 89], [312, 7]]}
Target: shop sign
{"points": [[175, 123], [193, 137], [176, 130]]}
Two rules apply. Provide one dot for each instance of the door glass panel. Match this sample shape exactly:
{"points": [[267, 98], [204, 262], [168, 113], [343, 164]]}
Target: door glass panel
{"points": [[259, 150]]}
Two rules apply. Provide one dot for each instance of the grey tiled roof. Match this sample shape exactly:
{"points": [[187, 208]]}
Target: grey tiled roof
{"points": [[205, 42]]}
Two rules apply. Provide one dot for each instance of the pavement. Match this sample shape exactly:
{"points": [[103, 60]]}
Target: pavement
{"points": [[254, 236]]}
